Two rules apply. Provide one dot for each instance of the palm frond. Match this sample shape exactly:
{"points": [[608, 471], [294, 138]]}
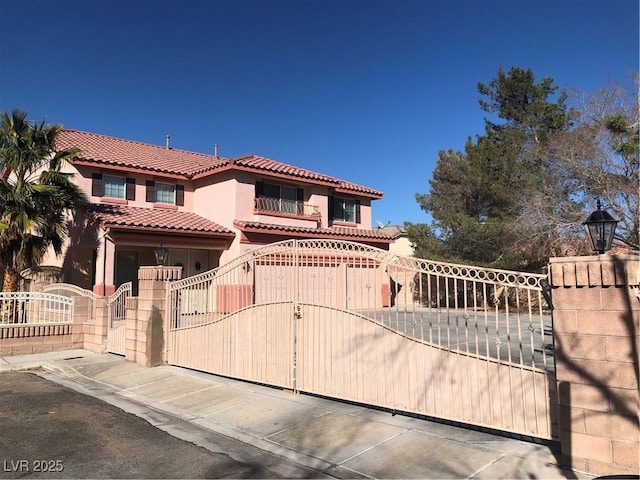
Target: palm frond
{"points": [[34, 193]]}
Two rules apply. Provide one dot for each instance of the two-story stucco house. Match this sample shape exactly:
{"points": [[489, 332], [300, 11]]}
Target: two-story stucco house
{"points": [[204, 208]]}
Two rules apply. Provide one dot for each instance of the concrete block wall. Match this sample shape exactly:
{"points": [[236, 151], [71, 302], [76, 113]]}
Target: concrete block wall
{"points": [[596, 311], [95, 329], [146, 315]]}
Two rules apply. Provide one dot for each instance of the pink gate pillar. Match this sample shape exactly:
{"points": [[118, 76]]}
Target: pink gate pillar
{"points": [[596, 306], [95, 329], [146, 315]]}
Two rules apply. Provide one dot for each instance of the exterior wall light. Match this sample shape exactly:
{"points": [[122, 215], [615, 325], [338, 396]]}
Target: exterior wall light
{"points": [[161, 254], [600, 227]]}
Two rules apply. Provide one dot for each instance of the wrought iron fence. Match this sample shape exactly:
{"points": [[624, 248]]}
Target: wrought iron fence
{"points": [[34, 308], [292, 207], [116, 302], [69, 290]]}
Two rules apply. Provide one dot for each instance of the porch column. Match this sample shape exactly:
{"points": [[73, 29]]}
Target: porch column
{"points": [[596, 306], [145, 318], [105, 266]]}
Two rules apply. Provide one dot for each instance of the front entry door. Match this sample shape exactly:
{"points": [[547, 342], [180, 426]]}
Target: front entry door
{"points": [[127, 269], [192, 262]]}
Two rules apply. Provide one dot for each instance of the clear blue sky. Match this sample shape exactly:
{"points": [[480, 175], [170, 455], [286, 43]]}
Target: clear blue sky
{"points": [[368, 91]]}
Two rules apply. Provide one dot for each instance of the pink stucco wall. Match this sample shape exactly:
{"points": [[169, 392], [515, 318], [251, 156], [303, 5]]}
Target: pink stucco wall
{"points": [[216, 199], [82, 177], [222, 198]]}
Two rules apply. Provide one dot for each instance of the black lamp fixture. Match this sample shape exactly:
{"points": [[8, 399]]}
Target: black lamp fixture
{"points": [[161, 254], [600, 227]]}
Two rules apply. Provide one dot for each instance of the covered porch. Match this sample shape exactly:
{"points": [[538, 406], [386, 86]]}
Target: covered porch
{"points": [[127, 238]]}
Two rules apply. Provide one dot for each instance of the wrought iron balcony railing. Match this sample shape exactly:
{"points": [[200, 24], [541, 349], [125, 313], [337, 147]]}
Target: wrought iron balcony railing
{"points": [[288, 207]]}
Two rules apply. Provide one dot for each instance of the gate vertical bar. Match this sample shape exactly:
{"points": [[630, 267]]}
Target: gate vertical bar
{"points": [[296, 316]]}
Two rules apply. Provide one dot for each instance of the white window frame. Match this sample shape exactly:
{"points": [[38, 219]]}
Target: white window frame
{"points": [[165, 193], [114, 186]]}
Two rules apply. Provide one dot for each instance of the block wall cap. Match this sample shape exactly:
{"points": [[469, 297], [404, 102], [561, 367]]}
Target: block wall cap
{"points": [[160, 273], [597, 258], [595, 271]]}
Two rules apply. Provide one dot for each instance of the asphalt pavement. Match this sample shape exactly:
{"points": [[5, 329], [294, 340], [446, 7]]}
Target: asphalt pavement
{"points": [[51, 431], [69, 412]]}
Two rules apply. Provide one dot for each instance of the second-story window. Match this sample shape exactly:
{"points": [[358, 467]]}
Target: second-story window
{"points": [[279, 198], [165, 193], [344, 209], [112, 186]]}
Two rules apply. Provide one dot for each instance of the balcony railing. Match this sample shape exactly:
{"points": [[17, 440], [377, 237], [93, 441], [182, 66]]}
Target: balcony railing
{"points": [[286, 207]]}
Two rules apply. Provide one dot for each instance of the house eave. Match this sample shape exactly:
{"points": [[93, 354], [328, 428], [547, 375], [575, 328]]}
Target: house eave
{"points": [[114, 227], [127, 169]]}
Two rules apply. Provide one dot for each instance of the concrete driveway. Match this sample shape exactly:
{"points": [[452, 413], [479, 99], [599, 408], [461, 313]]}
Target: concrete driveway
{"points": [[247, 430], [50, 431]]}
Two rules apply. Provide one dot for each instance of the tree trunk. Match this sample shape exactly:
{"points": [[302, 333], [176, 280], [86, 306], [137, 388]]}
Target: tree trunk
{"points": [[11, 280], [8, 313]]}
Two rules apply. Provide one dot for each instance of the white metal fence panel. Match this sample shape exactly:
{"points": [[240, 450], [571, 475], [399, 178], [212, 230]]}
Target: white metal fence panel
{"points": [[116, 332], [34, 308], [69, 290], [354, 322]]}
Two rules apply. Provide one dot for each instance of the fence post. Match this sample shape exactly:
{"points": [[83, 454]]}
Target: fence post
{"points": [[595, 329], [95, 331], [151, 314], [79, 311], [134, 340]]}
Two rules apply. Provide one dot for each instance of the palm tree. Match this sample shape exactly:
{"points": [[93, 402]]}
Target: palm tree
{"points": [[34, 194]]}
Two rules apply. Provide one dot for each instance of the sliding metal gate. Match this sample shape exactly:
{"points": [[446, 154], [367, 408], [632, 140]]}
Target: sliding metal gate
{"points": [[353, 322]]}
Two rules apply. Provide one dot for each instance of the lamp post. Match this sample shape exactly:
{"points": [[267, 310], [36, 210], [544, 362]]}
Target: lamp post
{"points": [[600, 227], [161, 254]]}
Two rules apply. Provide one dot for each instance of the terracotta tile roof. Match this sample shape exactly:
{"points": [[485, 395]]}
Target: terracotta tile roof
{"points": [[265, 164], [395, 231], [619, 248], [121, 153], [118, 152], [272, 166], [376, 234], [156, 219]]}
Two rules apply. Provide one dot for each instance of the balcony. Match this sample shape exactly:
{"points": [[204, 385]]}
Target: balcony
{"points": [[289, 208]]}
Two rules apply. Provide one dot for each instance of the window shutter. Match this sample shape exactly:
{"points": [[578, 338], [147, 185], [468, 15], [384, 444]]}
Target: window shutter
{"points": [[259, 189], [151, 191], [131, 188], [96, 184], [357, 211], [330, 209], [180, 195]]}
